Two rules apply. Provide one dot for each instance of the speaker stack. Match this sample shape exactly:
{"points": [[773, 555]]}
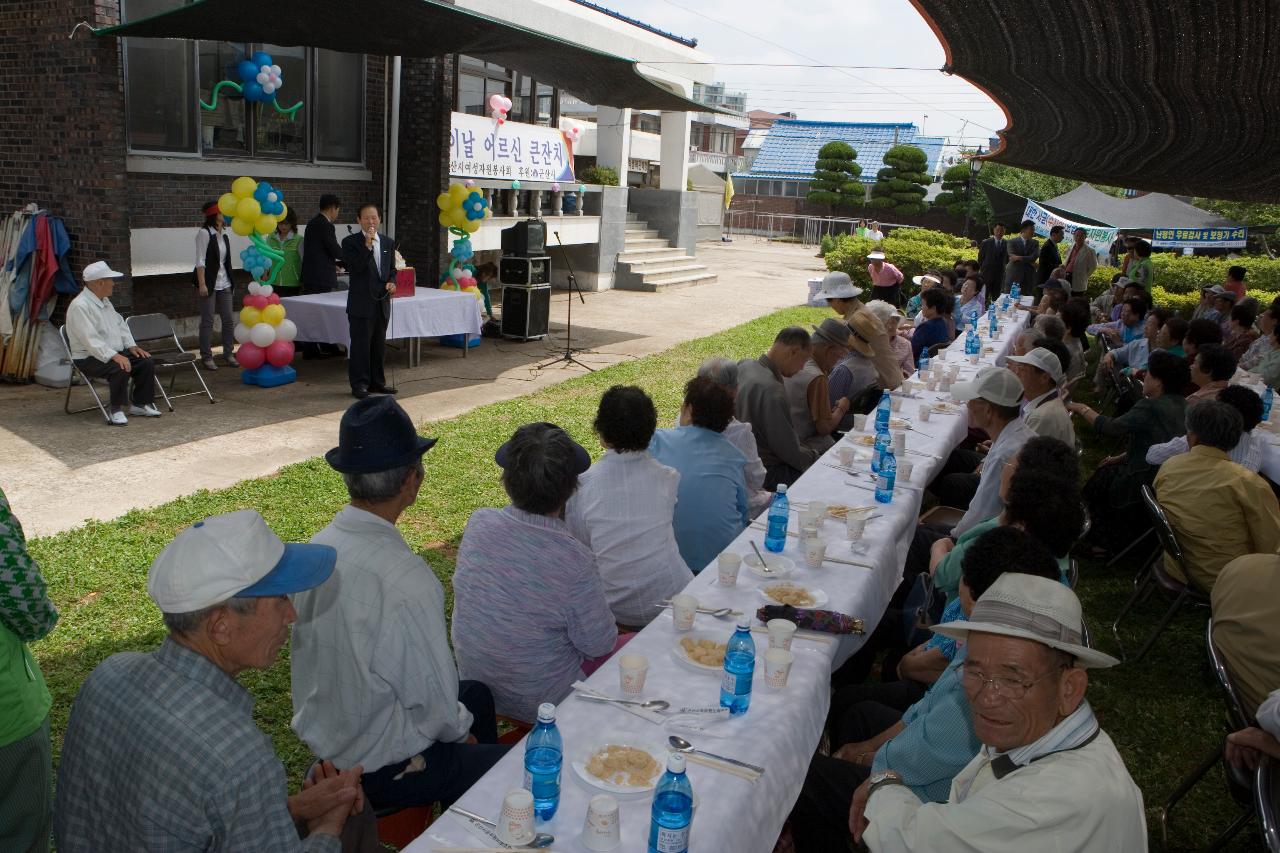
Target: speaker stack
{"points": [[525, 273]]}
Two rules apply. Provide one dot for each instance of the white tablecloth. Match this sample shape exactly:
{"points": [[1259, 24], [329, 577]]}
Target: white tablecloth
{"points": [[429, 313], [782, 728]]}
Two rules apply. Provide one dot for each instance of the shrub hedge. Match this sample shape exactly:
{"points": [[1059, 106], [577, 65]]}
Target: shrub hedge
{"points": [[1178, 274], [915, 251]]}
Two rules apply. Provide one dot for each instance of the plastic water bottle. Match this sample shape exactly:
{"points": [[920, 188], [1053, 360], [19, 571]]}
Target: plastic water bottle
{"points": [[972, 346], [923, 364], [739, 665], [1267, 399], [775, 537], [993, 322], [883, 408], [1015, 292], [973, 319], [543, 755], [877, 453], [672, 812], [888, 474]]}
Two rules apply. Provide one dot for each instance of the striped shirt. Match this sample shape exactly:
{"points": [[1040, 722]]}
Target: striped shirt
{"points": [[528, 608], [162, 754]]}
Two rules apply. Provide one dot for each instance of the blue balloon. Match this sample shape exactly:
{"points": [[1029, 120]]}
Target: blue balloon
{"points": [[264, 189], [253, 91], [247, 70], [227, 219], [261, 59], [266, 262]]}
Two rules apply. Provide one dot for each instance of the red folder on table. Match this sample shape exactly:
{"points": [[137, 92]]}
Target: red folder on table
{"points": [[405, 282]]}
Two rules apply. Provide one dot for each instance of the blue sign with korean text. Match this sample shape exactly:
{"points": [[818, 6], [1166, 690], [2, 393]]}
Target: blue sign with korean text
{"points": [[1199, 238]]}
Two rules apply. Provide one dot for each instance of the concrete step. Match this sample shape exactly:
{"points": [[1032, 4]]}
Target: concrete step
{"points": [[655, 253], [654, 285], [664, 265], [630, 243], [641, 231]]}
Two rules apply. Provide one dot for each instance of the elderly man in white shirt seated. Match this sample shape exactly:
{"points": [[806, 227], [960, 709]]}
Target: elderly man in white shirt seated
{"points": [[1041, 372], [373, 678], [1047, 776], [1248, 450], [103, 348], [624, 508]]}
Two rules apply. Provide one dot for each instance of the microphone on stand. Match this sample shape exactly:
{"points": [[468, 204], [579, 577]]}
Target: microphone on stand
{"points": [[573, 281]]}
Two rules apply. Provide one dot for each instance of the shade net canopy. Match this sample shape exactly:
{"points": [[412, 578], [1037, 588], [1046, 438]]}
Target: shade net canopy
{"points": [[420, 28], [1164, 95]]}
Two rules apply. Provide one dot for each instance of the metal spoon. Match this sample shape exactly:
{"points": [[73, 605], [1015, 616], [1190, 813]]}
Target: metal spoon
{"points": [[719, 612], [650, 705], [764, 567], [542, 839], [681, 745]]}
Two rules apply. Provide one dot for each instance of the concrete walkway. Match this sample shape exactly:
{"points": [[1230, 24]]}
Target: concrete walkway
{"points": [[60, 470]]}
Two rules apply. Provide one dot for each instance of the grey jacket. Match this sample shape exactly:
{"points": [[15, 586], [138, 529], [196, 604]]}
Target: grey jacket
{"points": [[762, 402]]}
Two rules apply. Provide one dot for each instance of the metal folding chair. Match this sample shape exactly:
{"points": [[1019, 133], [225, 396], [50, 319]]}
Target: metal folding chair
{"points": [[155, 334], [1240, 783], [1155, 577], [1264, 801], [88, 383]]}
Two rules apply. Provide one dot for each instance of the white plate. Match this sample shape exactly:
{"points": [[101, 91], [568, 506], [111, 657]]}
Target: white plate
{"points": [[678, 652], [579, 764], [781, 566], [820, 598]]}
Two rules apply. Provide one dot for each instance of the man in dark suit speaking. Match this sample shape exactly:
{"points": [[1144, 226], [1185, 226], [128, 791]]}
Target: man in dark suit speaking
{"points": [[370, 259]]}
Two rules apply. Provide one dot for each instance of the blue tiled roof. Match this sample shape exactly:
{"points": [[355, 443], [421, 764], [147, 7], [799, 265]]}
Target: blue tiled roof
{"points": [[791, 147]]}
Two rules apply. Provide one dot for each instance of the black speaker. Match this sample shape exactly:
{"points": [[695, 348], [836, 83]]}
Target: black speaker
{"points": [[524, 271], [526, 310]]}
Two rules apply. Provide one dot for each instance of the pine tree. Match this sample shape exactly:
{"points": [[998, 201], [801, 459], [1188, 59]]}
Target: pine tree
{"points": [[955, 189], [835, 177], [900, 186]]}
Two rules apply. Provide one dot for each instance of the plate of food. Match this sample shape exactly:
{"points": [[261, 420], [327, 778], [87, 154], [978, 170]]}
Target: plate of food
{"points": [[798, 596], [700, 651], [620, 764], [864, 440], [779, 566]]}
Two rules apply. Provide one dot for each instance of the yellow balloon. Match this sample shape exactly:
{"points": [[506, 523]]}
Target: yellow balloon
{"points": [[251, 316], [248, 209], [243, 187], [444, 201], [472, 226], [272, 314], [266, 224], [227, 204], [459, 193], [459, 217], [284, 211], [243, 227], [445, 220]]}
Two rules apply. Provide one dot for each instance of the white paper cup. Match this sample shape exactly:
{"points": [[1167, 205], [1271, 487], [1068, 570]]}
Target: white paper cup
{"points": [[905, 467], [855, 526], [602, 829], [945, 385], [899, 444], [631, 672], [815, 550], [845, 455], [933, 383], [809, 531], [808, 518], [777, 667], [895, 404], [683, 609], [926, 412], [515, 823], [728, 564], [780, 633], [973, 358], [859, 423], [818, 508], [953, 372]]}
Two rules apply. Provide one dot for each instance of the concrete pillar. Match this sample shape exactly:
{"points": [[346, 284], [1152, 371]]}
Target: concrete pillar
{"points": [[613, 140], [675, 151]]}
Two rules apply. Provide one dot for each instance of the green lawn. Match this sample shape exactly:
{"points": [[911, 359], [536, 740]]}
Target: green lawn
{"points": [[1163, 714]]}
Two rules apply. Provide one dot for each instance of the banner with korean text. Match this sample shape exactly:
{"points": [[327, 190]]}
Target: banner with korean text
{"points": [[1100, 236], [1199, 238], [479, 147]]}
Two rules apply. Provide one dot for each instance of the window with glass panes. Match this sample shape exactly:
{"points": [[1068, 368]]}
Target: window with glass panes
{"points": [[531, 102]]}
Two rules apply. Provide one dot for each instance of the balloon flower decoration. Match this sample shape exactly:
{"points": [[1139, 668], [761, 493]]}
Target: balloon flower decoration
{"points": [[499, 106], [461, 211], [260, 80], [264, 334]]}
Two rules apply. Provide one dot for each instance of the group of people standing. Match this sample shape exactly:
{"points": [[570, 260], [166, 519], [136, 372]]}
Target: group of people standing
{"points": [[1026, 262]]}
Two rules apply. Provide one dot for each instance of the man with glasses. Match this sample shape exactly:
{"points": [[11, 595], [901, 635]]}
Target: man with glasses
{"points": [[1047, 776]]}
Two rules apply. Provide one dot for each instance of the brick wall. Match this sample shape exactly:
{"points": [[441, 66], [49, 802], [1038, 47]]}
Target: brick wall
{"points": [[426, 99]]}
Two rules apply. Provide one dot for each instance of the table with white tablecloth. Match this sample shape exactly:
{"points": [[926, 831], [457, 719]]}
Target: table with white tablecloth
{"points": [[782, 728], [429, 313]]}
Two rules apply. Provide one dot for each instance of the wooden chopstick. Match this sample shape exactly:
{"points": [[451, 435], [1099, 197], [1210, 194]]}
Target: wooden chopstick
{"points": [[733, 770]]}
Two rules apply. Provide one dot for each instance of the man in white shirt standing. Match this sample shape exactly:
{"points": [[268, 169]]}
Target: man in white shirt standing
{"points": [[624, 508], [103, 348], [1047, 777], [374, 682]]}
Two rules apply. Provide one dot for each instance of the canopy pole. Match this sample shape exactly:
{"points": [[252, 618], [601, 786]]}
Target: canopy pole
{"points": [[393, 153]]}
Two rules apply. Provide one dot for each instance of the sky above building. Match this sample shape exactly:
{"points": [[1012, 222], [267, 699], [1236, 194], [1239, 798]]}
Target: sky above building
{"points": [[769, 49]]}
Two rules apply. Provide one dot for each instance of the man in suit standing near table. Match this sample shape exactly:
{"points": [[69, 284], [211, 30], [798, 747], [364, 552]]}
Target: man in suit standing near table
{"points": [[370, 259], [1050, 258], [1023, 251], [321, 257], [993, 255]]}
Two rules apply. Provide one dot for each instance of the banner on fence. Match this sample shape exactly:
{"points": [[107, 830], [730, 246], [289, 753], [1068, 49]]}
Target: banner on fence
{"points": [[1100, 236], [479, 147], [1199, 238]]}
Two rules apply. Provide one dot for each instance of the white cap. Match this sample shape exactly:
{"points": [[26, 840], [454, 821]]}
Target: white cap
{"points": [[995, 385], [1043, 359], [98, 270], [547, 712], [675, 762], [233, 556]]}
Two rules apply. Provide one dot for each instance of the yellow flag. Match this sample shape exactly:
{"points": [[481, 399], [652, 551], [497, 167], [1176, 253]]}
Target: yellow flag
{"points": [[728, 190]]}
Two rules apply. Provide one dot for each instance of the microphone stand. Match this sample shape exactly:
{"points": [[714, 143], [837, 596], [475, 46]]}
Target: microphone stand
{"points": [[568, 359]]}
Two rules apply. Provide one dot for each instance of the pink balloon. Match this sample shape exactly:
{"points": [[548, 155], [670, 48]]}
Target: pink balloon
{"points": [[251, 356], [495, 102], [273, 299], [506, 105], [280, 353], [256, 301]]}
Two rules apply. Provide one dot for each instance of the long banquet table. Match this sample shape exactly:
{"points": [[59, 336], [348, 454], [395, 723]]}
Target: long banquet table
{"points": [[782, 728]]}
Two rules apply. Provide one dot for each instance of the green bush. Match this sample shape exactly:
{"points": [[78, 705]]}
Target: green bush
{"points": [[600, 175], [1179, 274], [1176, 298], [898, 187], [915, 251], [955, 188], [827, 243], [835, 177]]}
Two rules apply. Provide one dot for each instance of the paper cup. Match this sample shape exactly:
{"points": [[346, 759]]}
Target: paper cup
{"points": [[859, 423], [953, 372], [905, 467], [602, 830], [631, 672], [780, 633], [728, 565], [683, 609], [818, 508], [926, 412], [855, 527], [945, 385], [815, 550], [845, 455], [900, 444], [933, 383], [973, 358], [808, 518], [895, 404], [809, 531], [515, 823], [777, 667]]}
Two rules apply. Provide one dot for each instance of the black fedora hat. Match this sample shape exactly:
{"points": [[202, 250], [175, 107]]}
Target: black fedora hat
{"points": [[376, 435]]}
